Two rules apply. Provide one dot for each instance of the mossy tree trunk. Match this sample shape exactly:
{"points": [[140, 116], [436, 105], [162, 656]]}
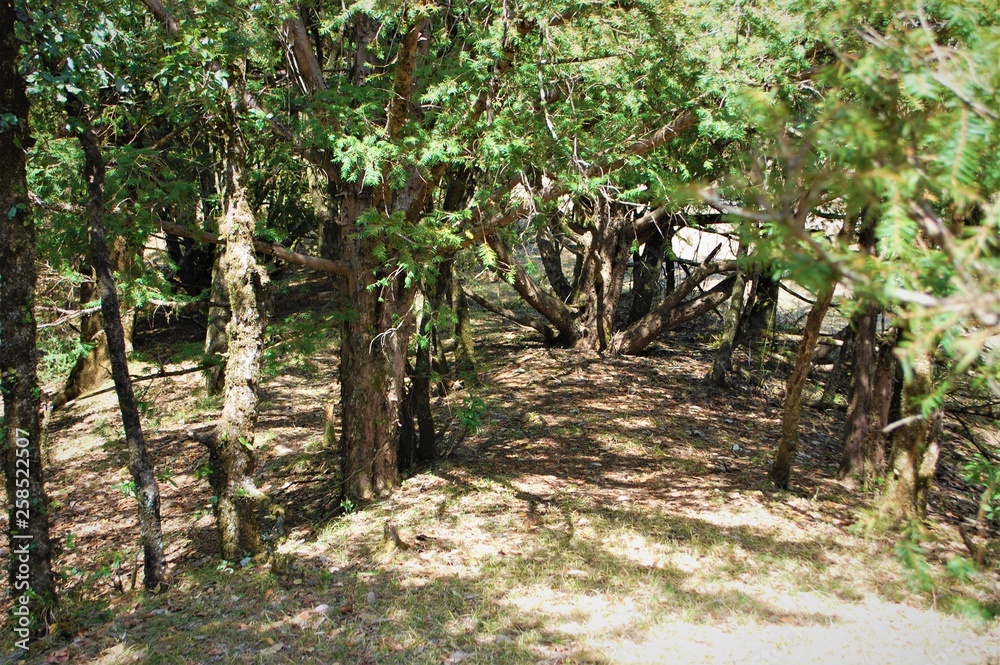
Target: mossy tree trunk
{"points": [[30, 549], [231, 447], [915, 448]]}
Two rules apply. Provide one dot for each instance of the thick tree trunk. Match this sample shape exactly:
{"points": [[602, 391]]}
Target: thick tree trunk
{"points": [[723, 362], [231, 446], [146, 490], [373, 351], [915, 448], [788, 444], [856, 453], [216, 341], [30, 550]]}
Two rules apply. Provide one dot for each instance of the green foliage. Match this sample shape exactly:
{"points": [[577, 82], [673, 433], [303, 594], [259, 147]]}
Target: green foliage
{"points": [[470, 416], [985, 473]]}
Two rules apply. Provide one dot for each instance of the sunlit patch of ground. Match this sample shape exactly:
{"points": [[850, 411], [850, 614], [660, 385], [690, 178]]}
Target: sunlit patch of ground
{"points": [[601, 515]]}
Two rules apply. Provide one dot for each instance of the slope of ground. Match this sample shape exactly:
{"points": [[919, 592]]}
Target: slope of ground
{"points": [[607, 511]]}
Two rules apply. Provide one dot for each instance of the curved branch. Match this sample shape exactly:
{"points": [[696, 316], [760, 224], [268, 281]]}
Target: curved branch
{"points": [[673, 311]]}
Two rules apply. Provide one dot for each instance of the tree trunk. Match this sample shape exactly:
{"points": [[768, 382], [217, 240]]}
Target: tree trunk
{"points": [[416, 420], [94, 368], [853, 462], [885, 391], [839, 371], [30, 562], [465, 350], [723, 361], [146, 490], [551, 254], [673, 310], [788, 445], [374, 340], [645, 278], [231, 453], [216, 342], [915, 448], [760, 319]]}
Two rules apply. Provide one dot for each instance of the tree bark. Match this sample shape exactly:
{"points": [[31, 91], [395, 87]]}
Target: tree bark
{"points": [[885, 391], [216, 342], [465, 350], [856, 454], [915, 448], [231, 447], [722, 364], [374, 340], [761, 317], [839, 371], [140, 465], [551, 254], [30, 558], [94, 368], [673, 310], [788, 444]]}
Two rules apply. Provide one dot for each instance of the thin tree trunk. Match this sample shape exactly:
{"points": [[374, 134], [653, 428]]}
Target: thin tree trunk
{"points": [[216, 342], [421, 387], [416, 440], [30, 550], [94, 368], [231, 446], [551, 254], [788, 445], [140, 465], [915, 448], [465, 350], [722, 364]]}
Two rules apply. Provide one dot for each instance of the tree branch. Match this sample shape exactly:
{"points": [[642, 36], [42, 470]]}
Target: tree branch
{"points": [[520, 319], [277, 251]]}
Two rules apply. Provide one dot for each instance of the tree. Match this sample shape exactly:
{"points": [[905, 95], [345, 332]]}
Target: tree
{"points": [[70, 81], [30, 558], [905, 131]]}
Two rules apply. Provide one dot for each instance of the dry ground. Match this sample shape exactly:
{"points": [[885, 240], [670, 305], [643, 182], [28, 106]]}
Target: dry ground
{"points": [[599, 515]]}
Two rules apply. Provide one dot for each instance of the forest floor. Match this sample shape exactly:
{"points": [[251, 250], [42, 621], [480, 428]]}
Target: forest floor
{"points": [[606, 511]]}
